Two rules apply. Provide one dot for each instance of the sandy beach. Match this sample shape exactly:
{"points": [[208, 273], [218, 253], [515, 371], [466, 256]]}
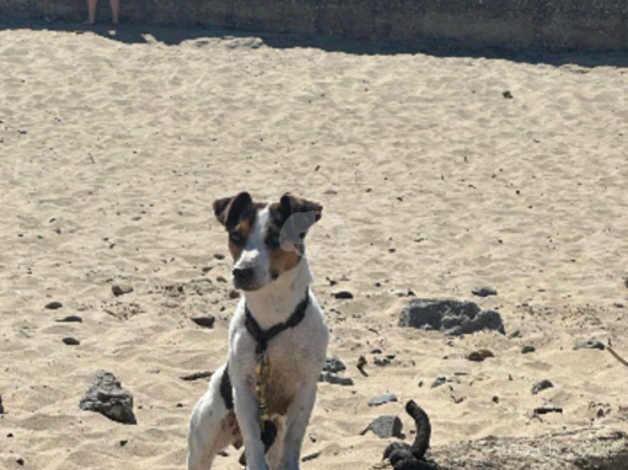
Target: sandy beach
{"points": [[438, 174]]}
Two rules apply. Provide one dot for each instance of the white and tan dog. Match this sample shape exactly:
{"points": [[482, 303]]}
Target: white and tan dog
{"points": [[277, 323]]}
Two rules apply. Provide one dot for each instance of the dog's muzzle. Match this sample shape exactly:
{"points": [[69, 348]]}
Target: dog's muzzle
{"points": [[243, 278]]}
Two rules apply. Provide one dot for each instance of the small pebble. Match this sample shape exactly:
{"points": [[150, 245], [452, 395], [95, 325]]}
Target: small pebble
{"points": [[121, 289], [206, 321], [484, 291], [542, 385], [343, 294], [588, 344], [479, 355], [70, 319], [507, 95], [527, 349], [70, 341], [311, 456], [54, 305]]}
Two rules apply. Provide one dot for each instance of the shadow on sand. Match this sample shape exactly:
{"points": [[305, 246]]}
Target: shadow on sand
{"points": [[172, 36]]}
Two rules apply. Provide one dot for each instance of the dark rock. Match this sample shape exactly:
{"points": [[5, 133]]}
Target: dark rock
{"points": [[70, 319], [361, 364], [452, 317], [382, 399], [1, 406], [311, 456], [106, 396], [334, 379], [381, 361], [54, 305], [484, 291], [121, 289], [70, 341], [219, 256], [507, 95], [385, 427], [20, 461], [334, 365], [541, 410], [234, 294], [542, 385], [479, 355], [439, 381], [527, 349], [343, 294], [206, 321], [515, 334], [196, 375], [588, 344], [495, 399], [123, 442]]}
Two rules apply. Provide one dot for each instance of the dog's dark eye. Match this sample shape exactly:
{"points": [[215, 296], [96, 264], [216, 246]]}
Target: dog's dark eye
{"points": [[272, 240], [236, 237]]}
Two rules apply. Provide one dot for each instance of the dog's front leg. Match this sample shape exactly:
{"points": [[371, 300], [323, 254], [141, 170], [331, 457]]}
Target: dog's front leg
{"points": [[298, 417], [245, 404]]}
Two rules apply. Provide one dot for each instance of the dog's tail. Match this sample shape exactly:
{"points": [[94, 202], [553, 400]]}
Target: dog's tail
{"points": [[423, 429], [405, 457]]}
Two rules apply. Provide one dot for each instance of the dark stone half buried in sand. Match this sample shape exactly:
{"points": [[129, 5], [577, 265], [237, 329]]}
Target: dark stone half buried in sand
{"points": [[206, 321], [484, 291], [450, 316], [106, 396], [334, 379], [334, 365], [542, 385], [121, 289]]}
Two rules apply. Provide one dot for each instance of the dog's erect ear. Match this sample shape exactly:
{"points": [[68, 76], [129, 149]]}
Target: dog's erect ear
{"points": [[297, 215], [229, 209], [291, 204]]}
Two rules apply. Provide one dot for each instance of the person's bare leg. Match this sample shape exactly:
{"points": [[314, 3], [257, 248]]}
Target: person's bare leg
{"points": [[91, 11], [115, 10]]}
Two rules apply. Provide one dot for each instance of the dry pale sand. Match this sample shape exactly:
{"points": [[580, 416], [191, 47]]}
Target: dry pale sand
{"points": [[112, 153]]}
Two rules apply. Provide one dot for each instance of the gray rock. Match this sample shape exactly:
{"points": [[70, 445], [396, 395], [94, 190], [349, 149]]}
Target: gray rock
{"points": [[385, 427], [528, 348], [121, 289], [542, 385], [70, 341], [106, 396], [382, 399], [450, 316], [333, 365], [334, 379], [588, 344], [484, 291], [206, 321]]}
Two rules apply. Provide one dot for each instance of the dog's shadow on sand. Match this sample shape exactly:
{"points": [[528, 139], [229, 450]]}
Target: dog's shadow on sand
{"points": [[172, 36]]}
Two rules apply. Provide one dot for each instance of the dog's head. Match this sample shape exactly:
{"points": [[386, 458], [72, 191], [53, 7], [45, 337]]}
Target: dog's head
{"points": [[265, 240]]}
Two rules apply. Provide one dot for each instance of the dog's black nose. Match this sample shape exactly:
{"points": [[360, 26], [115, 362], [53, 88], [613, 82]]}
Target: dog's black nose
{"points": [[242, 275]]}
